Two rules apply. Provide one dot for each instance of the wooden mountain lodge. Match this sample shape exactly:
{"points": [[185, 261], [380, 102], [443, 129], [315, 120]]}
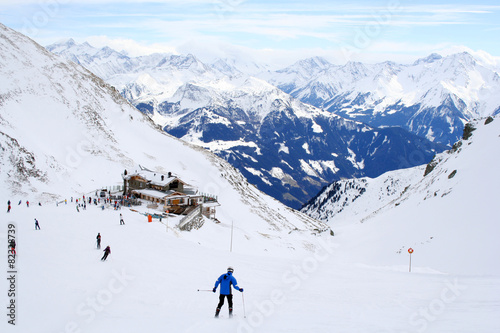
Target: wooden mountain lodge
{"points": [[170, 192]]}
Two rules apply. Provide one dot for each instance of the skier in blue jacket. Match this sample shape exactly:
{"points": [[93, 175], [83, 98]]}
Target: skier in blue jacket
{"points": [[225, 281]]}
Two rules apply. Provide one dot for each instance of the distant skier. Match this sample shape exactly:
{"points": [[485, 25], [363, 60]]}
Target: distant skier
{"points": [[8, 208], [107, 251], [225, 281], [27, 203], [12, 246], [98, 238], [121, 219], [37, 226]]}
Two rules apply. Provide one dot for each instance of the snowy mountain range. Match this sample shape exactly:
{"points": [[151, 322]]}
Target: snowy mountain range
{"points": [[288, 149], [433, 97]]}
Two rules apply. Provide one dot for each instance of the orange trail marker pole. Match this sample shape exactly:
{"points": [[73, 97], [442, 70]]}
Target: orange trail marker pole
{"points": [[410, 251]]}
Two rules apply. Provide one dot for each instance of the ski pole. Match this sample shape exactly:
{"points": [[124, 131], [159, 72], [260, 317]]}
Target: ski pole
{"points": [[244, 312], [205, 290]]}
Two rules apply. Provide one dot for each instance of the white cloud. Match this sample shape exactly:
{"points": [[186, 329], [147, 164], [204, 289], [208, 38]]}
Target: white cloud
{"points": [[107, 2], [131, 47], [210, 49]]}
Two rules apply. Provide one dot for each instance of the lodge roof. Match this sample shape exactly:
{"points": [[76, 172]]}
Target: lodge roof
{"points": [[152, 193], [154, 178]]}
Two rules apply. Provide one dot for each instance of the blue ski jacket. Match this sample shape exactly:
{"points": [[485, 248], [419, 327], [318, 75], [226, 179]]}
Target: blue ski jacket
{"points": [[225, 281]]}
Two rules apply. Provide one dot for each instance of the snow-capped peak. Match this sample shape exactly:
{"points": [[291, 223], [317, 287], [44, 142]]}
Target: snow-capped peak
{"points": [[313, 64], [429, 59]]}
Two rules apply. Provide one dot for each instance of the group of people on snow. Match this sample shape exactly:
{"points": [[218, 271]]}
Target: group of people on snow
{"points": [[9, 206], [106, 251]]}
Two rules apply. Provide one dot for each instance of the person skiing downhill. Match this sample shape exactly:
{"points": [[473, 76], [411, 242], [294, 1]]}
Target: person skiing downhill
{"points": [[225, 281], [107, 251], [98, 238]]}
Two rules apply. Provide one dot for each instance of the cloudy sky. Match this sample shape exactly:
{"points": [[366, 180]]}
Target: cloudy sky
{"points": [[273, 31]]}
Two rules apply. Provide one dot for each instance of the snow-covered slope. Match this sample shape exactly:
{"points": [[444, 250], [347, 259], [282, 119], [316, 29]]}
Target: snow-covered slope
{"points": [[432, 97], [447, 210], [286, 148]]}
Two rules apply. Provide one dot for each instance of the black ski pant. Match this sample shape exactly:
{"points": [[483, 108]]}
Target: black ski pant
{"points": [[229, 301], [105, 256]]}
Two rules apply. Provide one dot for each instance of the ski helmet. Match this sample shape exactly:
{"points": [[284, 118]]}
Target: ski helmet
{"points": [[230, 269]]}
